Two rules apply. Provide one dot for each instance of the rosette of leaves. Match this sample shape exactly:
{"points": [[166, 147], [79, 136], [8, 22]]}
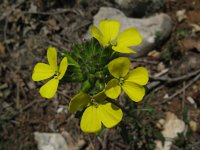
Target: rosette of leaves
{"points": [[88, 65]]}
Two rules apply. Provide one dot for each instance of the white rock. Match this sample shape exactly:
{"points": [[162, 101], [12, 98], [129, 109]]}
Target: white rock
{"points": [[160, 146], [158, 26], [193, 125], [139, 8], [172, 126], [50, 141]]}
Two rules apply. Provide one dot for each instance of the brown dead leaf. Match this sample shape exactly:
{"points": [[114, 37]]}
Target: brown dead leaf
{"points": [[195, 27], [2, 49], [189, 44], [193, 17]]}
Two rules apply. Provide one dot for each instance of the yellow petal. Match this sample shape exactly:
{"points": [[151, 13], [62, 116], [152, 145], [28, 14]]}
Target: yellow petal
{"points": [[42, 71], [109, 29], [49, 89], [123, 49], [119, 67], [52, 58], [90, 121], [113, 89], [138, 75], [79, 101], [63, 68], [99, 36], [109, 114], [134, 91], [129, 37]]}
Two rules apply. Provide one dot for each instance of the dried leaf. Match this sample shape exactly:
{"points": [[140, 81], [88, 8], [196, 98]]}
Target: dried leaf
{"points": [[195, 28], [193, 17], [180, 14], [189, 44], [52, 25]]}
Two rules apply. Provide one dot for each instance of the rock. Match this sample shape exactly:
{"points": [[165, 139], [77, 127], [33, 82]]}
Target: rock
{"points": [[140, 8], [50, 141], [193, 125], [171, 127], [153, 29]]}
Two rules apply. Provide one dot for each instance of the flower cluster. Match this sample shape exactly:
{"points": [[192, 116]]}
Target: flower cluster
{"points": [[103, 73]]}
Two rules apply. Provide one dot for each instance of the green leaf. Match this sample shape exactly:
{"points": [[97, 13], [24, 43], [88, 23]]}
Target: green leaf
{"points": [[71, 61]]}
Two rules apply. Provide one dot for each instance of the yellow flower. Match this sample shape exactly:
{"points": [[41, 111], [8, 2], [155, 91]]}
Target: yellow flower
{"points": [[44, 71], [98, 111], [131, 82], [108, 35]]}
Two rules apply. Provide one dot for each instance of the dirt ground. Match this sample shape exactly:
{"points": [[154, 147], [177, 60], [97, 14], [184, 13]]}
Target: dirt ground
{"points": [[28, 27]]}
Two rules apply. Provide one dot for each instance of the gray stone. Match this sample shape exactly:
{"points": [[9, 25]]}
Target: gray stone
{"points": [[154, 30], [50, 141], [140, 8]]}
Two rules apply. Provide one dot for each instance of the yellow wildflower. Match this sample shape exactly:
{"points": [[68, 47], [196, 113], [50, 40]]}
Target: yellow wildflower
{"points": [[131, 82], [44, 71], [108, 35], [98, 111]]}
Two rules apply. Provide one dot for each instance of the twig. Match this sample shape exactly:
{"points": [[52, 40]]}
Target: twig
{"points": [[29, 105], [181, 90], [183, 96], [154, 84], [66, 96], [169, 80], [161, 73], [17, 96], [55, 44], [5, 35], [144, 61], [51, 13]]}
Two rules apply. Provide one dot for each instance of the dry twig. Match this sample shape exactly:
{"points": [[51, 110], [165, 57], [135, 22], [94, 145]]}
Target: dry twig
{"points": [[169, 80], [181, 90], [61, 11]]}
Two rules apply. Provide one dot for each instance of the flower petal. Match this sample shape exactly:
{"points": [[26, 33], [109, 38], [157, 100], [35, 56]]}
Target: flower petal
{"points": [[134, 91], [79, 101], [119, 67], [123, 49], [113, 89], [52, 58], [42, 71], [62, 68], [138, 75], [90, 121], [109, 114], [109, 29], [99, 36], [49, 89], [129, 37]]}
